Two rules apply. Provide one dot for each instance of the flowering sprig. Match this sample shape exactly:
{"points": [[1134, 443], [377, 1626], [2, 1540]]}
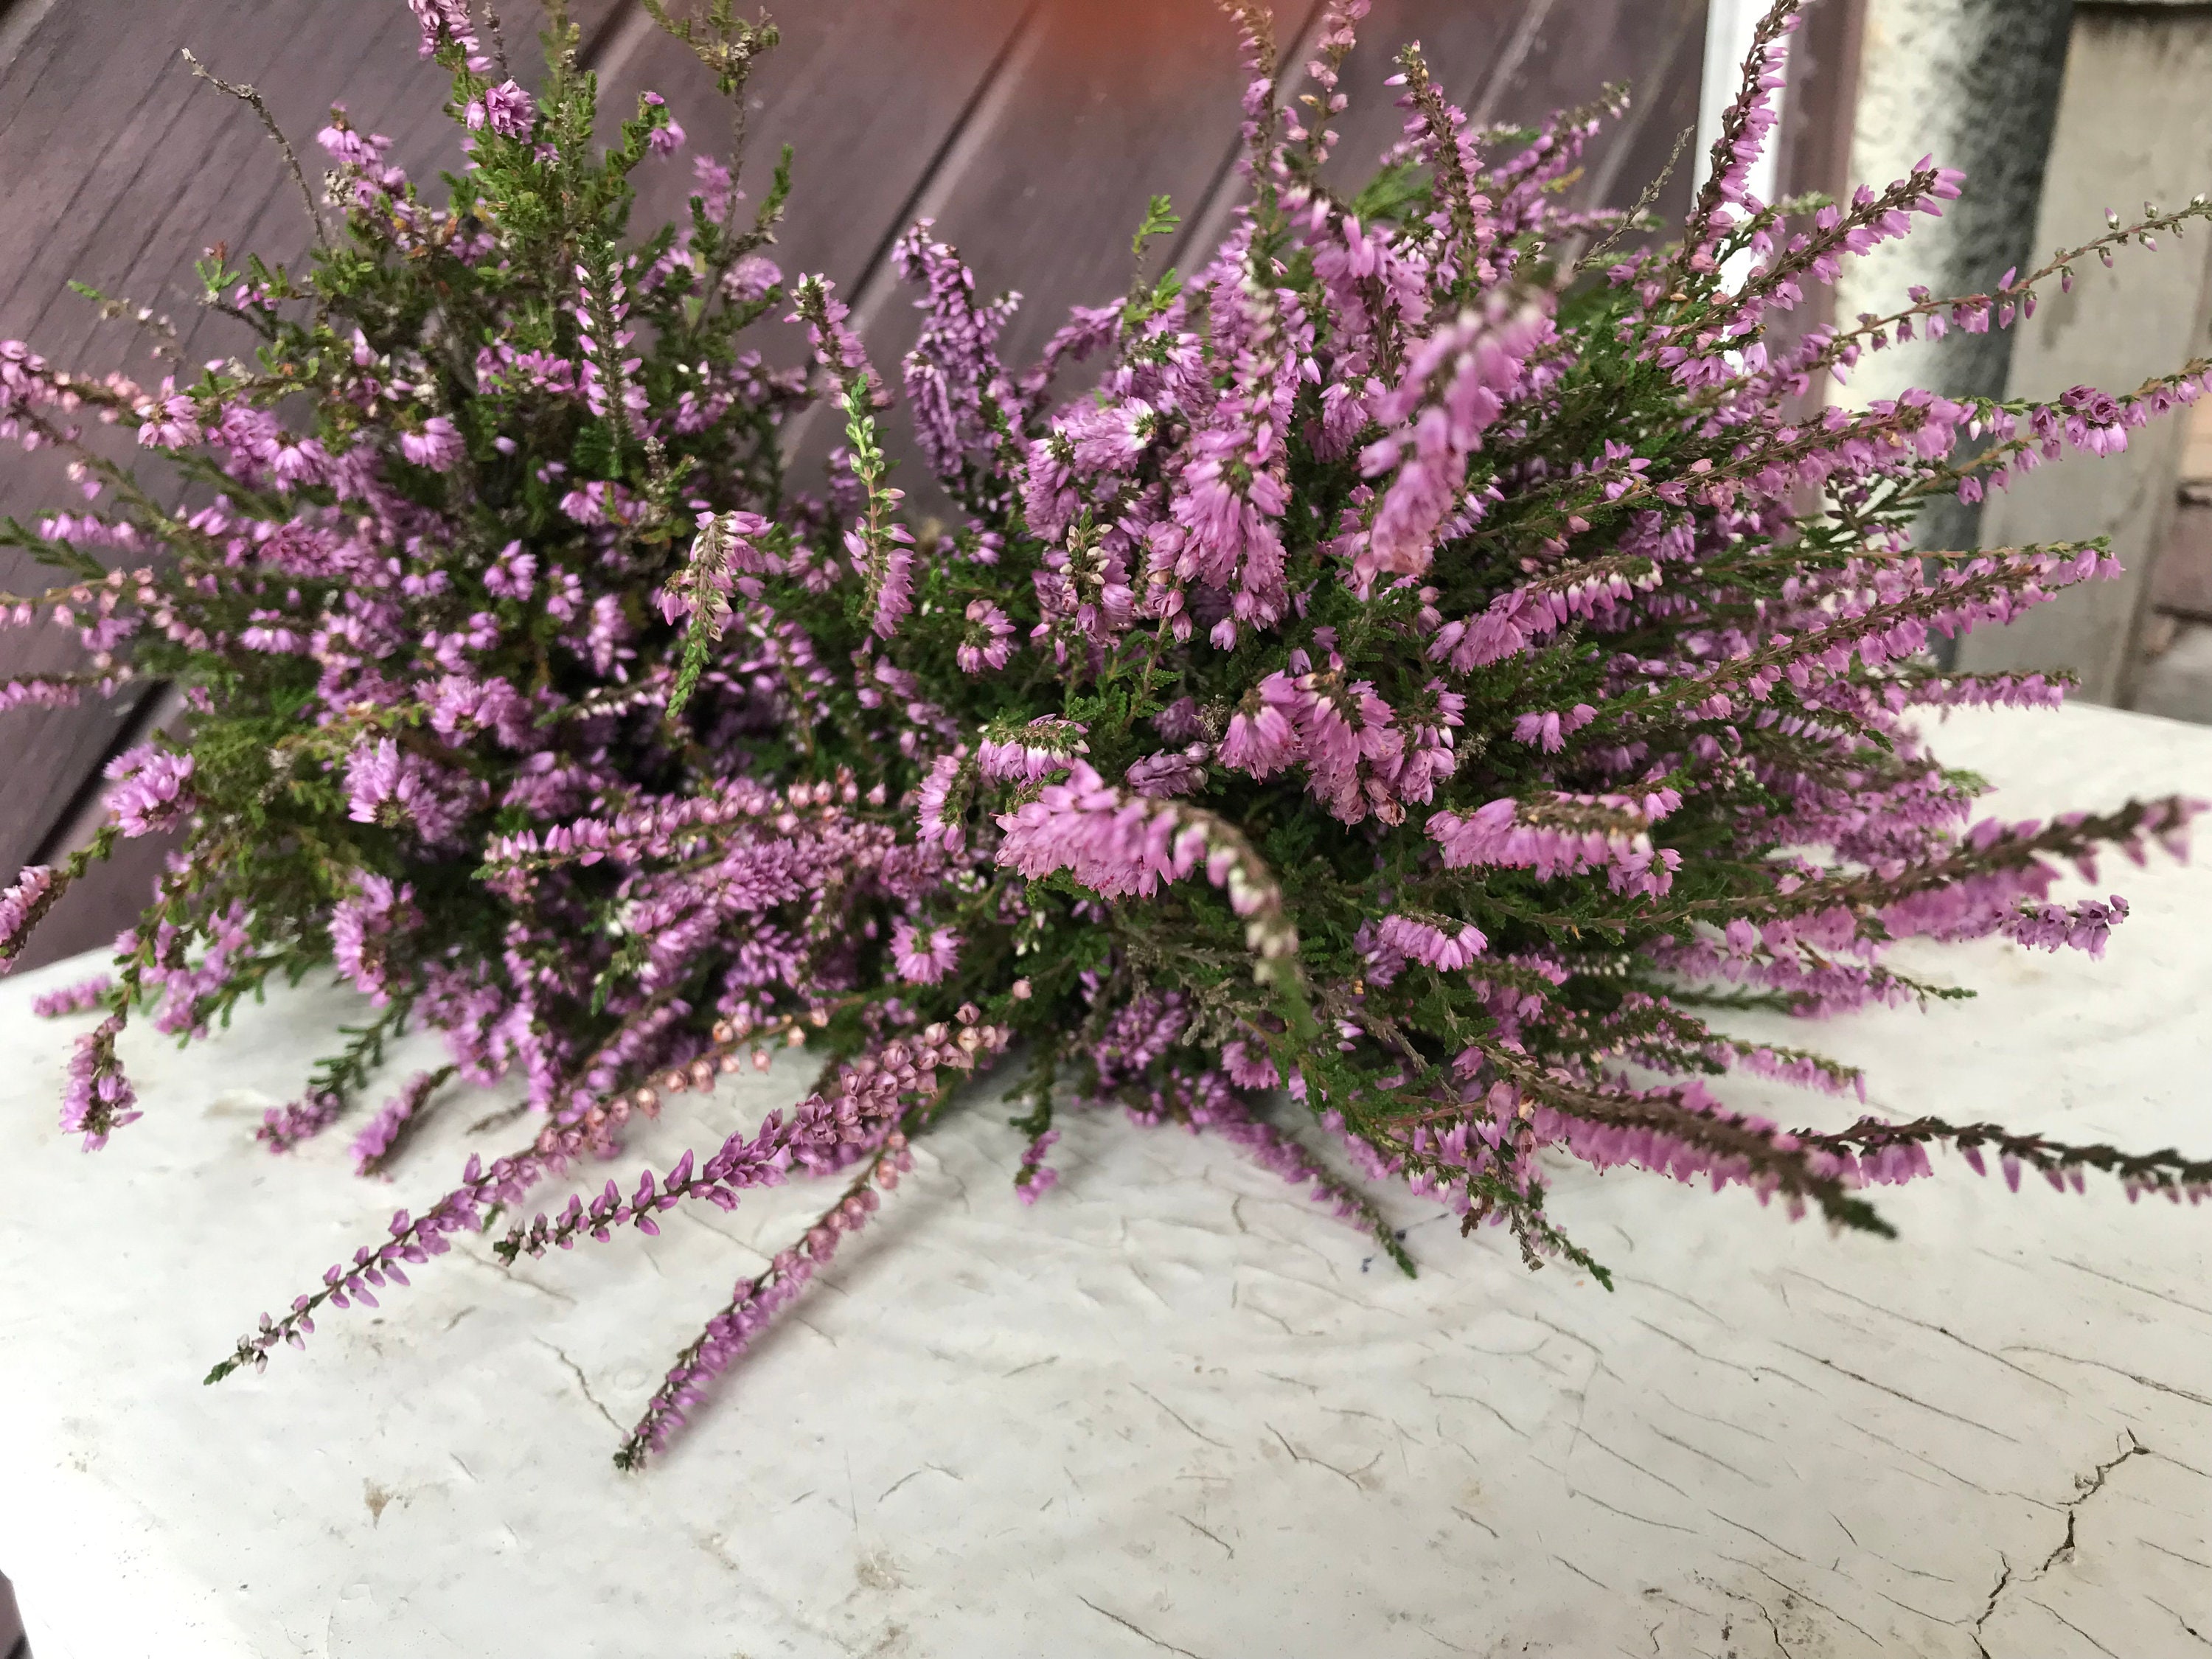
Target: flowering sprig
{"points": [[1895, 1151], [2015, 295], [82, 997], [755, 1302], [373, 1146], [98, 1099]]}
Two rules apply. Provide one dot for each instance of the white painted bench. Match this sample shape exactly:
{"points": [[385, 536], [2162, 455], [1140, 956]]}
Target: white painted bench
{"points": [[1173, 1408]]}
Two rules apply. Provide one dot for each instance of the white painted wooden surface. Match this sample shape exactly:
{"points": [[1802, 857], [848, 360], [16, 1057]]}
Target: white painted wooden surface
{"points": [[1171, 1410]]}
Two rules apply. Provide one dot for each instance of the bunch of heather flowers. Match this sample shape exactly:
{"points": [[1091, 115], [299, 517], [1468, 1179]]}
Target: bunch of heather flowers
{"points": [[1437, 656]]}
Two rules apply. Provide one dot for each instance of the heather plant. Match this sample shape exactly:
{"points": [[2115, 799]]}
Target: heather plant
{"points": [[1436, 661]]}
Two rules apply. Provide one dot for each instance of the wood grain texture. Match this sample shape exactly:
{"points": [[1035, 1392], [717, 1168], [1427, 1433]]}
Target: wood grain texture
{"points": [[1052, 175], [875, 98], [122, 169], [868, 94], [1816, 141]]}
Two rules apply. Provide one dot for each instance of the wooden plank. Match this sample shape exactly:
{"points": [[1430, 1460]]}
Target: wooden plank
{"points": [[49, 758], [106, 902], [1518, 61], [1467, 44], [867, 92], [1653, 46], [1088, 123], [1666, 107], [1822, 98], [110, 896], [1817, 112], [122, 170]]}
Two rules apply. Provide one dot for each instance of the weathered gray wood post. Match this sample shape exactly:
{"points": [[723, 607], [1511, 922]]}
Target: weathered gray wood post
{"points": [[2133, 125], [1975, 83], [2058, 110]]}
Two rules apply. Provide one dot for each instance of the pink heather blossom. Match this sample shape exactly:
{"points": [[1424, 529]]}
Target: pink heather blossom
{"points": [[38, 694], [98, 1099], [750, 279], [511, 574], [374, 1144], [1248, 1065], [437, 446], [1575, 834], [1483, 358], [1034, 1178], [716, 189], [1164, 776], [953, 376], [1117, 845], [363, 922], [923, 956], [937, 807], [1433, 946], [987, 645], [81, 997], [284, 1127], [1042, 747], [507, 109], [2085, 927], [1359, 573], [1261, 738], [1549, 730], [667, 137], [1109, 438], [21, 904], [151, 789], [386, 784], [170, 422], [443, 21], [894, 578]]}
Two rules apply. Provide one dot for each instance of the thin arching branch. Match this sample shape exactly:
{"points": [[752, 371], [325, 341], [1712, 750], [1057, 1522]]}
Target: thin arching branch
{"points": [[248, 95]]}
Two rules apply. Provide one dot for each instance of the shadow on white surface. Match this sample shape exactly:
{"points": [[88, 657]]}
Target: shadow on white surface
{"points": [[12, 1644]]}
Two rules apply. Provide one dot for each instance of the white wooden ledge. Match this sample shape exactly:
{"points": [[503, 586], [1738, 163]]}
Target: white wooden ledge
{"points": [[1173, 1409]]}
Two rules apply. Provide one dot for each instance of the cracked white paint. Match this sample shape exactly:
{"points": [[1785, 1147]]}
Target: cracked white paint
{"points": [[1163, 1412]]}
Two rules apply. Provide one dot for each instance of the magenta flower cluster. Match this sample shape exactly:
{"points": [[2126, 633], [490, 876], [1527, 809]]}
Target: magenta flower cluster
{"points": [[1358, 698]]}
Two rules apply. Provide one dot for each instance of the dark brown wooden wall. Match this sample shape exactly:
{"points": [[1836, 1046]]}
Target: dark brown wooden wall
{"points": [[1031, 131]]}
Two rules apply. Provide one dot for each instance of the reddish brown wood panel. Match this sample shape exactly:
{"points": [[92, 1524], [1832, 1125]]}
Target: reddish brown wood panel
{"points": [[1086, 124], [1043, 190], [121, 170], [1654, 47], [867, 92], [873, 96], [1816, 135], [1816, 123]]}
